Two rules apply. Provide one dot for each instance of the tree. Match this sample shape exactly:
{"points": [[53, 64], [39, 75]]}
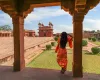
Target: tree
{"points": [[84, 43], [93, 39], [56, 38], [98, 30], [93, 31], [95, 50], [5, 28]]}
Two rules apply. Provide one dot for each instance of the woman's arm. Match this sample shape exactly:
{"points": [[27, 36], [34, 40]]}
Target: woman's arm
{"points": [[70, 36], [57, 47], [70, 41]]}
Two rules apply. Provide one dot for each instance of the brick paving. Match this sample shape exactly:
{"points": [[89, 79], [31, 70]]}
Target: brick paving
{"points": [[6, 73]]}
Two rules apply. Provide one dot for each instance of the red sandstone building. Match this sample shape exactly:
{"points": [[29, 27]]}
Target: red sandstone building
{"points": [[87, 34], [28, 33], [5, 33], [45, 31]]}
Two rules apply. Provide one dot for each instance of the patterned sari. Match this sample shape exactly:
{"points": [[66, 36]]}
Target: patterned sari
{"points": [[62, 53]]}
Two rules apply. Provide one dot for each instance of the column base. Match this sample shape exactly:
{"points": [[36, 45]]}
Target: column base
{"points": [[17, 66], [77, 71]]}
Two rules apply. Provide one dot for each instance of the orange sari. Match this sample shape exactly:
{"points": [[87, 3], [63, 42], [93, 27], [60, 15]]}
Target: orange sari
{"points": [[62, 53]]}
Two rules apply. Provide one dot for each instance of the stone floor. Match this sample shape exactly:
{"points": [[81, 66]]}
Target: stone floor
{"points": [[6, 73]]}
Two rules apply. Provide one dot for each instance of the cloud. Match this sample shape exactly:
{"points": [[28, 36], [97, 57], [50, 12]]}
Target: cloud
{"points": [[61, 28], [5, 19], [42, 13], [94, 24]]}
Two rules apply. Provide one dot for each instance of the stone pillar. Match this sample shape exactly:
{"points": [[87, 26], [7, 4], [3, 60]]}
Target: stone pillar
{"points": [[77, 44], [1, 34], [8, 35], [18, 26], [4, 34]]}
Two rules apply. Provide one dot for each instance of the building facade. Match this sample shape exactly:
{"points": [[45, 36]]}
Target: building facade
{"points": [[87, 34], [30, 33], [27, 33], [45, 31], [97, 35], [5, 33]]}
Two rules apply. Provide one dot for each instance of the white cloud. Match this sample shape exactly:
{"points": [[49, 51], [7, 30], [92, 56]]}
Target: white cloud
{"points": [[95, 24], [5, 19], [61, 28], [42, 13]]}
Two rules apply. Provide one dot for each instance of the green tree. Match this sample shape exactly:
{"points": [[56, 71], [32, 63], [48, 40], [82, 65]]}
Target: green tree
{"points": [[95, 50], [98, 30], [89, 38], [84, 43], [93, 31], [93, 39], [56, 38], [48, 47], [5, 28]]}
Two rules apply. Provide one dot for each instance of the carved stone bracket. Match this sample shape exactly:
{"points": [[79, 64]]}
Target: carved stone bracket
{"points": [[68, 6], [28, 9]]}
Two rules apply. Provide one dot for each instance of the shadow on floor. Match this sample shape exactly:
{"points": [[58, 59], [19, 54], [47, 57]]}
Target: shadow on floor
{"points": [[6, 73]]}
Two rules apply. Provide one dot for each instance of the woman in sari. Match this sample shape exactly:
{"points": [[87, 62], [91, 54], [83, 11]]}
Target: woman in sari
{"points": [[61, 50]]}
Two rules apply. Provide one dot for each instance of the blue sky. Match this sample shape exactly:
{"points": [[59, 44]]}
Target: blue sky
{"points": [[61, 20]]}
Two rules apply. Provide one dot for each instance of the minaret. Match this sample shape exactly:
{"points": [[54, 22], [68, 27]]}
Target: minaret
{"points": [[42, 25], [50, 24], [39, 24]]}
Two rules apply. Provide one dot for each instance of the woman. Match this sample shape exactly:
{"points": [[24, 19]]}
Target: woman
{"points": [[61, 50]]}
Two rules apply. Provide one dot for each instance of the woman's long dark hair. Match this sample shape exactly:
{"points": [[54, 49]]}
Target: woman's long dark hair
{"points": [[63, 40]]}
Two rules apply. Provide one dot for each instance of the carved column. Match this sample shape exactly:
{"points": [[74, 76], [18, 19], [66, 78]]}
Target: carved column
{"points": [[77, 44], [18, 32]]}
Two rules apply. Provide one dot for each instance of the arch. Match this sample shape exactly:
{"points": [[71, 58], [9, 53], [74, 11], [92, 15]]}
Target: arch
{"points": [[77, 8]]}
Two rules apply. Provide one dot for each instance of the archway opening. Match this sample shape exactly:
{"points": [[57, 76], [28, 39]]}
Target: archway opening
{"points": [[91, 28], [6, 40], [61, 21]]}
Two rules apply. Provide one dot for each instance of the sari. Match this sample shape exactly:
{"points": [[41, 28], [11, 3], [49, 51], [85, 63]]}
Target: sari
{"points": [[62, 53]]}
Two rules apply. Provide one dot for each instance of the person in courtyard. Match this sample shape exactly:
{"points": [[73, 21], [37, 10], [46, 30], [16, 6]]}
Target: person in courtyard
{"points": [[61, 50]]}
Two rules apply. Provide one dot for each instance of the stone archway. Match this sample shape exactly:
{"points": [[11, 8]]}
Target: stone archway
{"points": [[19, 9], [77, 21]]}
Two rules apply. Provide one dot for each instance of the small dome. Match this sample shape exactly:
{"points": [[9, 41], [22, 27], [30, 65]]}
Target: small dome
{"points": [[39, 23], [50, 24]]}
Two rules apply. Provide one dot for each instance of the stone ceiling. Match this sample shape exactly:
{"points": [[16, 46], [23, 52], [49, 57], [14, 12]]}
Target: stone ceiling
{"points": [[23, 7]]}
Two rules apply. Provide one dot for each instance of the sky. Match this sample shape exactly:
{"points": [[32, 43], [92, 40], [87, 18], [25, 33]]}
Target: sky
{"points": [[61, 20]]}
